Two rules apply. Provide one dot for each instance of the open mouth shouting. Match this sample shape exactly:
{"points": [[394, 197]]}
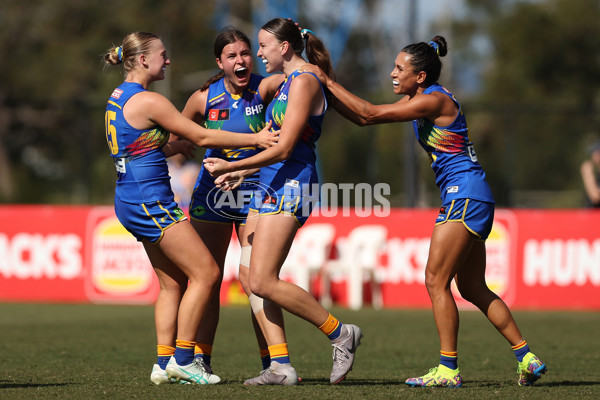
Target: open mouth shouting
{"points": [[241, 73]]}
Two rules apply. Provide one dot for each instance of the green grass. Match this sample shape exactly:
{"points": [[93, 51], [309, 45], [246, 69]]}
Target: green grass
{"points": [[89, 352]]}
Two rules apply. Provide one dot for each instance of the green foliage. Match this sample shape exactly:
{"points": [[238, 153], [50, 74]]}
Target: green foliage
{"points": [[538, 107], [93, 352], [525, 72], [56, 85]]}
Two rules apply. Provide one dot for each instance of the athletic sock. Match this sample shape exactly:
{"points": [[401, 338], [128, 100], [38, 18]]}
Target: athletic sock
{"points": [[449, 359], [265, 358], [164, 354], [184, 352], [204, 351], [279, 353], [332, 327], [520, 350]]}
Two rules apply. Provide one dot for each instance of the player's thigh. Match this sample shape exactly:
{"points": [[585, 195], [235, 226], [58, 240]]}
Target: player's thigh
{"points": [[273, 239], [170, 277], [450, 246], [216, 237], [471, 274], [184, 247], [246, 232]]}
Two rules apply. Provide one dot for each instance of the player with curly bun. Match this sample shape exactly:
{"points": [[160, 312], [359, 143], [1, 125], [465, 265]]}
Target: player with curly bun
{"points": [[457, 249]]}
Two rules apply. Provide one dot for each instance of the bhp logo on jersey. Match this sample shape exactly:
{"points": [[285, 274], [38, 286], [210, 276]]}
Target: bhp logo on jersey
{"points": [[218, 115], [257, 109]]}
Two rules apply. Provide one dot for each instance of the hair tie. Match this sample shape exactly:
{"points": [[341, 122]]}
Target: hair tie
{"points": [[303, 33], [119, 51], [435, 46]]}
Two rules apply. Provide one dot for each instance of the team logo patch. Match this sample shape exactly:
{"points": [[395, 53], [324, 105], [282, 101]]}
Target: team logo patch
{"points": [[452, 189], [218, 114], [116, 93], [198, 211], [442, 210]]}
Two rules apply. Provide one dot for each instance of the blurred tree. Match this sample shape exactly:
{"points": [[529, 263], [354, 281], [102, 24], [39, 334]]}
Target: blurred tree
{"points": [[526, 72], [540, 88], [53, 90]]}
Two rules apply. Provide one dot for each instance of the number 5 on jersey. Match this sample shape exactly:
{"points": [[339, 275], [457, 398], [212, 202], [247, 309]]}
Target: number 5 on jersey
{"points": [[111, 131]]}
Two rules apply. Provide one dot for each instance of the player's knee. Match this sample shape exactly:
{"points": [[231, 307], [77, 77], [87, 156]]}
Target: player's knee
{"points": [[432, 281], [210, 277], [173, 288], [258, 286], [437, 284]]}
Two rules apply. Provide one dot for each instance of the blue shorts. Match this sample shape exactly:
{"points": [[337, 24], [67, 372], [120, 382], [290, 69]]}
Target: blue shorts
{"points": [[148, 220], [476, 216], [220, 206], [293, 199], [211, 204]]}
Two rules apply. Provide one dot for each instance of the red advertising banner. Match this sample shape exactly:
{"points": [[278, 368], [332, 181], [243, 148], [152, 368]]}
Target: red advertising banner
{"points": [[536, 259], [41, 253], [558, 257], [75, 254]]}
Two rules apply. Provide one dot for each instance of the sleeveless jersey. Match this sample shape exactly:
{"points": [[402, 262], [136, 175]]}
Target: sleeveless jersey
{"points": [[142, 172], [301, 166], [242, 114], [458, 174]]}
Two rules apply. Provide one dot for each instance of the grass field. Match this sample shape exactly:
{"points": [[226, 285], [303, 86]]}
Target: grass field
{"points": [[89, 352]]}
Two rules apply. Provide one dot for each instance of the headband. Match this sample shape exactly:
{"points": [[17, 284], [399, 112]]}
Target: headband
{"points": [[119, 51], [435, 46]]}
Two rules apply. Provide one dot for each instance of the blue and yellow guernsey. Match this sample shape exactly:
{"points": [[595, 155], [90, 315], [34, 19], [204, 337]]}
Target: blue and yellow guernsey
{"points": [[233, 113], [301, 166], [142, 172], [458, 174]]}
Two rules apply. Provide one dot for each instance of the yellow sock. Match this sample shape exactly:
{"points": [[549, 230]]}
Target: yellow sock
{"points": [[204, 351], [184, 352], [279, 353], [164, 354], [332, 327]]}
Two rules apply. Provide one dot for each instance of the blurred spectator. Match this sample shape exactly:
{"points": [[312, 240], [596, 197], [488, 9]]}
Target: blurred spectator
{"points": [[590, 174], [183, 177]]}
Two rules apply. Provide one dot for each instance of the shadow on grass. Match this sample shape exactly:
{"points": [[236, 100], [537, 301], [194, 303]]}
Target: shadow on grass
{"points": [[475, 383], [569, 383], [351, 382], [16, 385]]}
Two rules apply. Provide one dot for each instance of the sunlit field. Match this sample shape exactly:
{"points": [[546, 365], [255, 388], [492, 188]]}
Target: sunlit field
{"points": [[86, 351]]}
